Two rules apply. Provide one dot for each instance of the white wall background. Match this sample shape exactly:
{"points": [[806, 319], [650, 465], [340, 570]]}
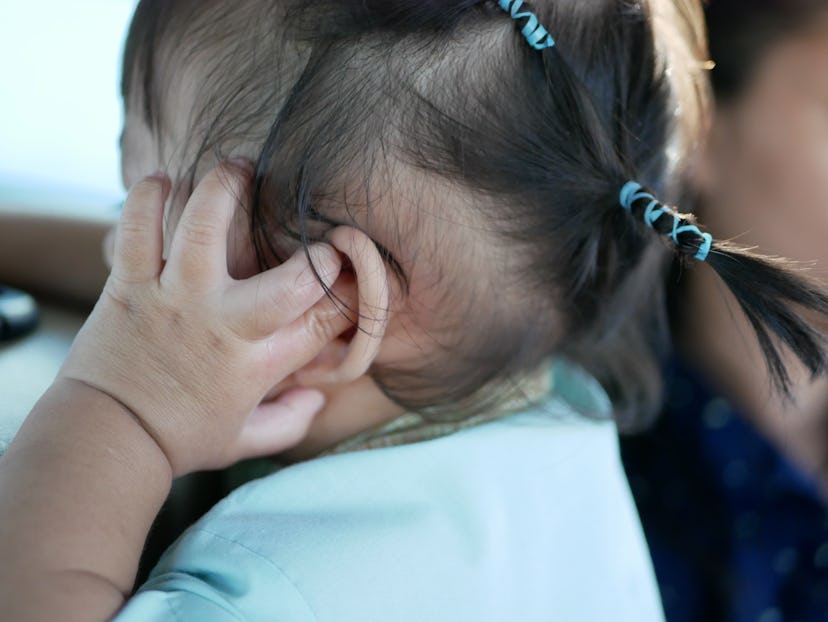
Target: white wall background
{"points": [[60, 113]]}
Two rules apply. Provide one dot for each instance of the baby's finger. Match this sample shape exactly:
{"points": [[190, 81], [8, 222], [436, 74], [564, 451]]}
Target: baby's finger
{"points": [[314, 340], [198, 254], [277, 425], [108, 247], [139, 236], [263, 304]]}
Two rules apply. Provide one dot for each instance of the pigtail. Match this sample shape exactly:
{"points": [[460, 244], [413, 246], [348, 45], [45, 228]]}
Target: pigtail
{"points": [[773, 296]]}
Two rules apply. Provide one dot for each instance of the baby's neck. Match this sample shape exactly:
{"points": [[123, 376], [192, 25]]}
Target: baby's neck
{"points": [[349, 410]]}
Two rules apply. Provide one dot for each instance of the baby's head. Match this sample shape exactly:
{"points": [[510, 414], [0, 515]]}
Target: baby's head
{"points": [[485, 173]]}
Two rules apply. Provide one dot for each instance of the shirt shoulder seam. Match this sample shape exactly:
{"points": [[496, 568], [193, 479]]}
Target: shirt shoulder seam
{"points": [[263, 558]]}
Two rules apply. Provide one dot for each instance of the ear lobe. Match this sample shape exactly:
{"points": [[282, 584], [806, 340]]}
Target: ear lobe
{"points": [[372, 293]]}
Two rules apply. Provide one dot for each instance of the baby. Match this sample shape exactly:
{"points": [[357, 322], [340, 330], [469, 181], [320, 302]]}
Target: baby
{"points": [[383, 219]]}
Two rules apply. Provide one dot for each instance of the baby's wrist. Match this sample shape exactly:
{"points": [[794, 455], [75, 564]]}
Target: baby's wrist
{"points": [[94, 480], [103, 418]]}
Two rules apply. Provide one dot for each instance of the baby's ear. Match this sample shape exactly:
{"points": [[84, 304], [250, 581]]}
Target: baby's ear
{"points": [[350, 355]]}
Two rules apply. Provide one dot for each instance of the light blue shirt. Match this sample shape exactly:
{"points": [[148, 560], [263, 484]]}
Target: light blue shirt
{"points": [[522, 519]]}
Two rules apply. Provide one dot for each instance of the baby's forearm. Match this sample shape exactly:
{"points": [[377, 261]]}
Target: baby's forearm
{"points": [[79, 489], [57, 256]]}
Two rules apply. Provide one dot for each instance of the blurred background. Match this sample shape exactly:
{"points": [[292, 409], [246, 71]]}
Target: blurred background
{"points": [[60, 112], [60, 188]]}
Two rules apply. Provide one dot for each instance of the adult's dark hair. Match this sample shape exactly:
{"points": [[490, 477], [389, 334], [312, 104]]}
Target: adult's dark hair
{"points": [[343, 96], [742, 32]]}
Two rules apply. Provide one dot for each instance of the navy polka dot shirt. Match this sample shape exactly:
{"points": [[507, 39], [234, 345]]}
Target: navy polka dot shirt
{"points": [[736, 532]]}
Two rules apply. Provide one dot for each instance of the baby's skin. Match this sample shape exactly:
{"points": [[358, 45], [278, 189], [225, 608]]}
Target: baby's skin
{"points": [[168, 376]]}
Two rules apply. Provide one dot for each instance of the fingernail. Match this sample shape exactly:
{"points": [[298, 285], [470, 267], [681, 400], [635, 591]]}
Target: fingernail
{"points": [[326, 261], [159, 174]]}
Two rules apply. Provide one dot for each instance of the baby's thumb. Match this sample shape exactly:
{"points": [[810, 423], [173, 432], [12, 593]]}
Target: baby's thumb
{"points": [[278, 425]]}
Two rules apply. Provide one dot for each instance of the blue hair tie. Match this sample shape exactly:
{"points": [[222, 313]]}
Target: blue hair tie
{"points": [[633, 191], [540, 39], [705, 247], [537, 36]]}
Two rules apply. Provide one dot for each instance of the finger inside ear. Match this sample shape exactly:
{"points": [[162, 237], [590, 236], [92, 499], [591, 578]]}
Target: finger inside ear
{"points": [[341, 361]]}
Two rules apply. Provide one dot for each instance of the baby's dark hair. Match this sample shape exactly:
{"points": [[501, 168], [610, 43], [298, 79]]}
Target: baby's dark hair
{"points": [[348, 101]]}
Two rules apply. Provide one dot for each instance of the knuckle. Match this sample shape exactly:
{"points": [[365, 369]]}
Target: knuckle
{"points": [[285, 299], [326, 322], [118, 293], [307, 287], [319, 328], [217, 343], [293, 298], [270, 307], [129, 227], [199, 233]]}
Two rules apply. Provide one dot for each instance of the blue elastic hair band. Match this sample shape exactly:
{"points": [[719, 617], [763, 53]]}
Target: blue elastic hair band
{"points": [[537, 36], [633, 191], [540, 39]]}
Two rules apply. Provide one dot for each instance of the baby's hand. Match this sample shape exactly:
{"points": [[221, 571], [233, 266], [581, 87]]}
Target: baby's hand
{"points": [[192, 352]]}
